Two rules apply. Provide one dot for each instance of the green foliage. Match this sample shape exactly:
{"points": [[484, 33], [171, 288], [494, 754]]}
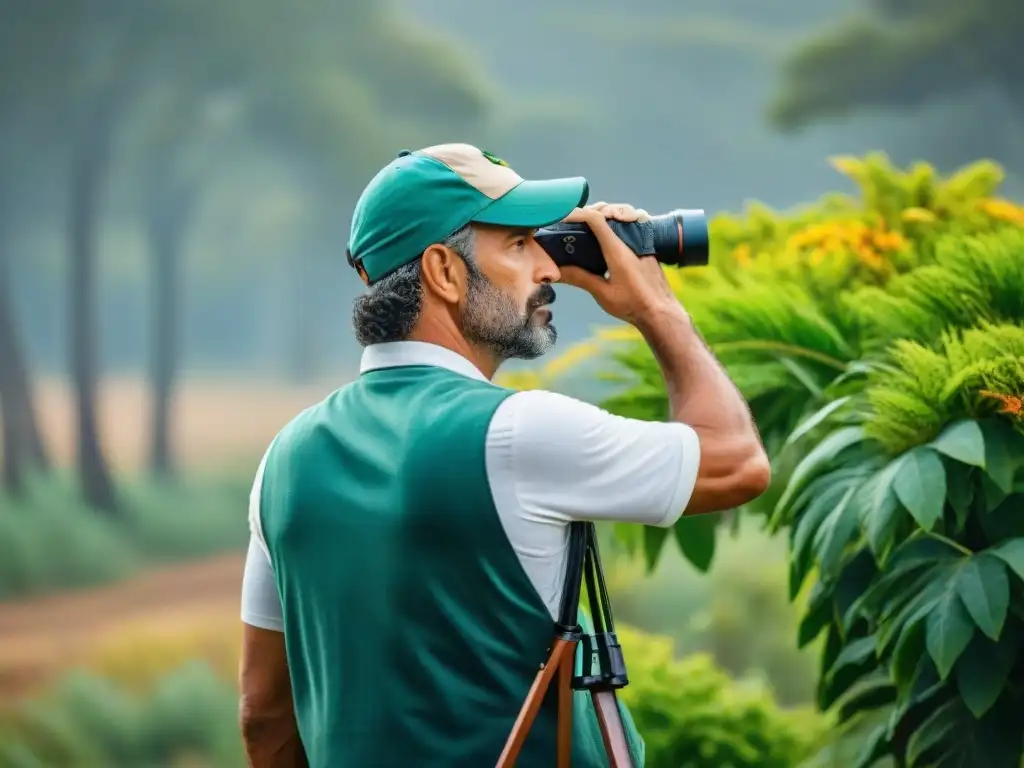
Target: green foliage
{"points": [[738, 612], [972, 280], [688, 710], [89, 722], [691, 713], [925, 388], [907, 512], [882, 353], [800, 308], [919, 592], [49, 540]]}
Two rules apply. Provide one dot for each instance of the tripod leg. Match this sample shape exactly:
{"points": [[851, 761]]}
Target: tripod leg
{"points": [[562, 653], [610, 720], [565, 711]]}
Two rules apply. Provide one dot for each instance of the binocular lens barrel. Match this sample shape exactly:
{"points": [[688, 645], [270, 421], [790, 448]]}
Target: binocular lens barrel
{"points": [[678, 238]]}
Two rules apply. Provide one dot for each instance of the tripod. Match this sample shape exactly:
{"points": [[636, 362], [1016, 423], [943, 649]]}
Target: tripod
{"points": [[601, 649]]}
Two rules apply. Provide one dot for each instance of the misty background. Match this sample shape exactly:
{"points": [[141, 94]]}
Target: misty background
{"points": [[239, 192]]}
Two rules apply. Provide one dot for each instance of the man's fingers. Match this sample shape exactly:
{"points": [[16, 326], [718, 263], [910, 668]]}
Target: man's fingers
{"points": [[581, 278]]}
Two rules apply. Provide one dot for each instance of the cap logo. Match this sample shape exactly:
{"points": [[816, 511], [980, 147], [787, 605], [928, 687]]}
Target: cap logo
{"points": [[493, 159]]}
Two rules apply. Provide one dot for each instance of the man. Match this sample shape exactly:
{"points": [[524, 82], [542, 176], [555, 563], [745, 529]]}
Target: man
{"points": [[410, 531]]}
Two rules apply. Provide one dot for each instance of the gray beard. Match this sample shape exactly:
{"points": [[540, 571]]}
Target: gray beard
{"points": [[492, 320]]}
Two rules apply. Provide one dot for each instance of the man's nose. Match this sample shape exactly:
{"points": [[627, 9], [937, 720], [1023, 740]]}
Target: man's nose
{"points": [[545, 269]]}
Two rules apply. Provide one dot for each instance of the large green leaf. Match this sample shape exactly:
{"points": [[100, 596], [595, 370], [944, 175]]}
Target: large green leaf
{"points": [[819, 612], [1003, 453], [949, 628], [654, 540], [1012, 553], [920, 485], [855, 660], [962, 441], [695, 535], [960, 490], [906, 656], [985, 591], [822, 454], [870, 695], [982, 670], [939, 727], [876, 746], [918, 603], [880, 510], [815, 419], [858, 573], [835, 533]]}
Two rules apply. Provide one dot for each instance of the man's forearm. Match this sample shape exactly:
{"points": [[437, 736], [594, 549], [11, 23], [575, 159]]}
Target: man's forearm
{"points": [[700, 392], [272, 742]]}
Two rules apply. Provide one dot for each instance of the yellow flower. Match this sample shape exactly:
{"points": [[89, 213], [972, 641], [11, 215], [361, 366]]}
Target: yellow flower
{"points": [[870, 258], [918, 216], [889, 241], [741, 253], [1004, 210]]}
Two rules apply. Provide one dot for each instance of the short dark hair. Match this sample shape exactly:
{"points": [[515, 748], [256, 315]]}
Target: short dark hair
{"points": [[389, 311]]}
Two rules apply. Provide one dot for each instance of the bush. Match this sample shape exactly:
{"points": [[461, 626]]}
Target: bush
{"points": [[692, 714], [50, 540], [88, 722], [143, 702]]}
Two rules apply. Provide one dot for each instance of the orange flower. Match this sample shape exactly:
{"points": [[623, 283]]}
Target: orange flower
{"points": [[1012, 404]]}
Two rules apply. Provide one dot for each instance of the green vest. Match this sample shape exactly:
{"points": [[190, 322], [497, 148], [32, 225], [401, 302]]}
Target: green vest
{"points": [[413, 633]]}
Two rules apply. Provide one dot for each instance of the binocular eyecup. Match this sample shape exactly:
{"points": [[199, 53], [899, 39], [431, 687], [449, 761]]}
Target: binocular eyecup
{"points": [[678, 238]]}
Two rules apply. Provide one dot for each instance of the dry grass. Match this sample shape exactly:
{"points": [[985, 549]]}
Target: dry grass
{"points": [[216, 422]]}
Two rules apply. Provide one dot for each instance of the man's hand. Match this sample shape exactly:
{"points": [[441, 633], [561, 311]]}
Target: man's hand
{"points": [[636, 289]]}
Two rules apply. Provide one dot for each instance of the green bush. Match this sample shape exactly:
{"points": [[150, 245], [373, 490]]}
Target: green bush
{"points": [[882, 353], [50, 540], [692, 714], [89, 723], [689, 712]]}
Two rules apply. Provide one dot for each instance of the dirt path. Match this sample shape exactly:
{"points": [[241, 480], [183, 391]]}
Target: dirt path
{"points": [[42, 636]]}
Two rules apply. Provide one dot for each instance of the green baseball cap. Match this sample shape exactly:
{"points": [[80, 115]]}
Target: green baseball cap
{"points": [[422, 197]]}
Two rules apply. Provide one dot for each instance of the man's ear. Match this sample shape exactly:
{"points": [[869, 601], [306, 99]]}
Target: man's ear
{"points": [[442, 273]]}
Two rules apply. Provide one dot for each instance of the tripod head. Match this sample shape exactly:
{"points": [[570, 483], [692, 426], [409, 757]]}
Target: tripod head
{"points": [[604, 667]]}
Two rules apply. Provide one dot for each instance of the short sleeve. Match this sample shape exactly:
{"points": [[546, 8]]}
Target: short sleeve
{"points": [[569, 460], [261, 603]]}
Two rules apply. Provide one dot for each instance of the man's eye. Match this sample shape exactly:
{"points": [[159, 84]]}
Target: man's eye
{"points": [[521, 243]]}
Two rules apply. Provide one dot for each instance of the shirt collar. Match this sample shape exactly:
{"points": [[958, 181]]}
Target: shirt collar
{"points": [[396, 354]]}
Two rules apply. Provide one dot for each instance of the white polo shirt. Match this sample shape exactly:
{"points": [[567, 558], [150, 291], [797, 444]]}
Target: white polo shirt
{"points": [[551, 460]]}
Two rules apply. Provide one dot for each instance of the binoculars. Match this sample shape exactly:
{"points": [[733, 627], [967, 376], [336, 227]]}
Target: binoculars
{"points": [[678, 238]]}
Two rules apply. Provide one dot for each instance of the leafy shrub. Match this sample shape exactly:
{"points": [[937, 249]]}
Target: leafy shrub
{"points": [[149, 705], [880, 346], [50, 540], [691, 713], [87, 722]]}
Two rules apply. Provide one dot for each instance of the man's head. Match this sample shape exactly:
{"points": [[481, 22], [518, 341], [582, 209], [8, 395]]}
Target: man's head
{"points": [[444, 239]]}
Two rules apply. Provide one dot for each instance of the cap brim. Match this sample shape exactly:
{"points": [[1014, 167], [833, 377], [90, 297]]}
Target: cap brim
{"points": [[534, 204]]}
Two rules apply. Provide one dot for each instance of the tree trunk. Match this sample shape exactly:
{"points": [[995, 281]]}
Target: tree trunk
{"points": [[22, 440], [166, 224], [87, 175]]}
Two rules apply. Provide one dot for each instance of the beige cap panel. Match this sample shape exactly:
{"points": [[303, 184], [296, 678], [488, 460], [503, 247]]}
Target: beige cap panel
{"points": [[469, 162]]}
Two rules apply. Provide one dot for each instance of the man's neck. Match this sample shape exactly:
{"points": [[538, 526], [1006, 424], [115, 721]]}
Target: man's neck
{"points": [[449, 338]]}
